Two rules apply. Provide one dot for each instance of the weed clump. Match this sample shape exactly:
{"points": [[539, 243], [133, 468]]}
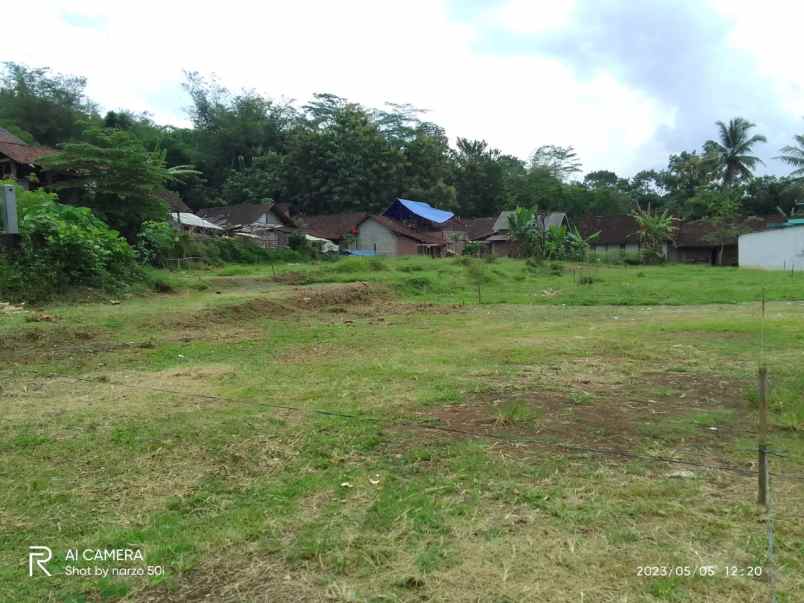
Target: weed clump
{"points": [[377, 265]]}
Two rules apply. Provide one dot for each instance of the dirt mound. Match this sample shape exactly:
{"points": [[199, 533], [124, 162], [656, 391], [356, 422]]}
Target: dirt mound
{"points": [[253, 308], [339, 295]]}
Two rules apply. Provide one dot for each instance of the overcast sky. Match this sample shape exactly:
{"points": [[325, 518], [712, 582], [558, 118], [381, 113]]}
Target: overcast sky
{"points": [[625, 82]]}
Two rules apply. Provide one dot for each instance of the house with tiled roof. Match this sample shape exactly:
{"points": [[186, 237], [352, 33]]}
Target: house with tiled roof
{"points": [[381, 235], [337, 228], [497, 238], [266, 223], [18, 159], [693, 242], [362, 233]]}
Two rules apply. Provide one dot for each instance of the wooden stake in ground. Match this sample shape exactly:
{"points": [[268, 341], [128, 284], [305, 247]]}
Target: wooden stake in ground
{"points": [[763, 436]]}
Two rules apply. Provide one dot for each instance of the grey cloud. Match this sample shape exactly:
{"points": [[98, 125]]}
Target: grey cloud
{"points": [[678, 53]]}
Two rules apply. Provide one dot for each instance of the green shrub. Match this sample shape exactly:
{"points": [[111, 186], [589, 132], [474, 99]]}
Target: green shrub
{"points": [[472, 248], [63, 246], [157, 242], [219, 250], [556, 269], [632, 258]]}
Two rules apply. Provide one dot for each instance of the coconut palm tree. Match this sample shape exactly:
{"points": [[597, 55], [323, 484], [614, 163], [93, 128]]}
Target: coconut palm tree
{"points": [[734, 149], [794, 155]]}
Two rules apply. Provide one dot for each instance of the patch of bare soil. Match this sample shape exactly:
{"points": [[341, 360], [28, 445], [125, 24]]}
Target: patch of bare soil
{"points": [[54, 342], [653, 407], [292, 278], [252, 309], [339, 295]]}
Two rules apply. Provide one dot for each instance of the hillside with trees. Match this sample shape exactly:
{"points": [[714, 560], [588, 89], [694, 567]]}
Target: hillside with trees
{"points": [[331, 155]]}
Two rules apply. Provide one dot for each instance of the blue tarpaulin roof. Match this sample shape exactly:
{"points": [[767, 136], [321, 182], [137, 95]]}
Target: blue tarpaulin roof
{"points": [[401, 207]]}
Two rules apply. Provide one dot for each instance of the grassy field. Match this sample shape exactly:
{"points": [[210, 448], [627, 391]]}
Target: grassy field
{"points": [[461, 459], [507, 281]]}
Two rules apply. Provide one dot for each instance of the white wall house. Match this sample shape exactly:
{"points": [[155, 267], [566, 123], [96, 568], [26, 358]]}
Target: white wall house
{"points": [[377, 237], [774, 249]]}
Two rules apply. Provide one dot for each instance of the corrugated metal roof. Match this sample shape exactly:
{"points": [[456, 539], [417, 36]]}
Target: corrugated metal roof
{"points": [[420, 209], [555, 218], [502, 221], [193, 220]]}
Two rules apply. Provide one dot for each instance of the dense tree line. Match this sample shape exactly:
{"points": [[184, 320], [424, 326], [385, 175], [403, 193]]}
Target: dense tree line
{"points": [[333, 155]]}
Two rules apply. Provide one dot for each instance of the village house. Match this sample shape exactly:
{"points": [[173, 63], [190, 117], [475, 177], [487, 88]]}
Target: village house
{"points": [[341, 228], [694, 242], [440, 232], [183, 218], [361, 233], [405, 228], [380, 235], [266, 223], [498, 237], [19, 160], [612, 235]]}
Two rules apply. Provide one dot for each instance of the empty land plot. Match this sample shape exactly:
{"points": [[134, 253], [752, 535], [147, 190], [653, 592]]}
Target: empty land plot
{"points": [[465, 452]]}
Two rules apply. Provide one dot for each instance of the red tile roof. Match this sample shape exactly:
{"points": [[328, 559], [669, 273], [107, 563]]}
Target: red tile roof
{"points": [[19, 150], [404, 231], [478, 227], [614, 230], [332, 226], [702, 233], [619, 230]]}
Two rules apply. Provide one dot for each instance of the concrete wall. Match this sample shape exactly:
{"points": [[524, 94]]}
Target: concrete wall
{"points": [[371, 233], [776, 249]]}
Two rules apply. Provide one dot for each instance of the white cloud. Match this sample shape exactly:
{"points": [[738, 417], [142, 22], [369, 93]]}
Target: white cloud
{"points": [[369, 52], [533, 16], [770, 32]]}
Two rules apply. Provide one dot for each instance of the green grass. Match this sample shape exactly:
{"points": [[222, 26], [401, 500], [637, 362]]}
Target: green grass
{"points": [[513, 281], [238, 497]]}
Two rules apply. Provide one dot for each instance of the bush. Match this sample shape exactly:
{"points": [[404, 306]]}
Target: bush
{"points": [[297, 242], [632, 258], [156, 243], [63, 246], [472, 248], [219, 250]]}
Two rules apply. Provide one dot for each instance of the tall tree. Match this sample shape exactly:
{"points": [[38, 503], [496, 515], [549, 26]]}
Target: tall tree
{"points": [[479, 178], [44, 107], [793, 155], [560, 162], [115, 176], [734, 149]]}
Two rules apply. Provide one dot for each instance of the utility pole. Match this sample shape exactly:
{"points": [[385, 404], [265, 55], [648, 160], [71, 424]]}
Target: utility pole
{"points": [[9, 226]]}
